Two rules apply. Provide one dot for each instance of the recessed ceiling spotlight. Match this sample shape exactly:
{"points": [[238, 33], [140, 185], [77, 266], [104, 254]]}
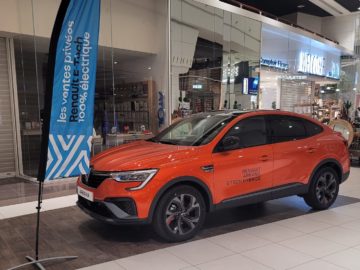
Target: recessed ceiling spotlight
{"points": [[301, 6], [358, 8], [337, 90], [116, 62], [149, 68], [322, 91], [354, 89], [328, 88]]}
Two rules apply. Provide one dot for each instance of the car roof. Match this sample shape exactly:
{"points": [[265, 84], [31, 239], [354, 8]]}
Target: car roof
{"points": [[241, 112], [236, 113]]}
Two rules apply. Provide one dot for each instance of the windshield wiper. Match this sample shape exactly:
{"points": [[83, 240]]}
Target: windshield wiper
{"points": [[167, 142], [152, 140]]}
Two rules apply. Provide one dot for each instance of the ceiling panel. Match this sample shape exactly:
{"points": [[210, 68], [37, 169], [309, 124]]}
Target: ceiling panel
{"points": [[284, 7], [351, 5]]}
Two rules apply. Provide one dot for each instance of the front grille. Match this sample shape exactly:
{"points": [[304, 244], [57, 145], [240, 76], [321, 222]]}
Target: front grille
{"points": [[94, 179], [96, 207]]}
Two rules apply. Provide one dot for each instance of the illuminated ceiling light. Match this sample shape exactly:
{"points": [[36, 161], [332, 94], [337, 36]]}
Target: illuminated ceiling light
{"points": [[301, 6], [116, 62], [149, 68], [337, 90], [358, 8], [354, 89], [328, 88], [322, 91]]}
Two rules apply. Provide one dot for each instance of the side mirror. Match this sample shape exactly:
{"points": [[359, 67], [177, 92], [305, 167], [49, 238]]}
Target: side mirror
{"points": [[230, 143]]}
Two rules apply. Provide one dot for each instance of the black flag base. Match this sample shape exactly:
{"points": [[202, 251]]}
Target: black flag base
{"points": [[36, 262]]}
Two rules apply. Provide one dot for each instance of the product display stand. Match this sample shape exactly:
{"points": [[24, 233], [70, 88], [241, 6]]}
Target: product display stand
{"points": [[36, 262]]}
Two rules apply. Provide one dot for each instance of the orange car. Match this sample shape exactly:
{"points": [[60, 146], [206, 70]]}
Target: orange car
{"points": [[211, 161]]}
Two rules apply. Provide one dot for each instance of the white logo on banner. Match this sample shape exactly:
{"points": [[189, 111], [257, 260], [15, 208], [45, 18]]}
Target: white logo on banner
{"points": [[66, 150]]}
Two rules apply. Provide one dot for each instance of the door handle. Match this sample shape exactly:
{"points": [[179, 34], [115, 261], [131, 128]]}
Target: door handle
{"points": [[208, 168], [264, 158], [311, 150]]}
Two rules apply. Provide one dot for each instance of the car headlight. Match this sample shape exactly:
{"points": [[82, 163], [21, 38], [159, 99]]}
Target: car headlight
{"points": [[143, 176]]}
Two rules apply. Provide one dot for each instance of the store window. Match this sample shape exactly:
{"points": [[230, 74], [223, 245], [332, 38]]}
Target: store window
{"points": [[214, 59], [131, 81], [302, 75]]}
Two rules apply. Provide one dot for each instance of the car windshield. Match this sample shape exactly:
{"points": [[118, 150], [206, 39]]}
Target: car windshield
{"points": [[196, 130]]}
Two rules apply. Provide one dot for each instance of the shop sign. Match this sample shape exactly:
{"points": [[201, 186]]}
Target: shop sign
{"points": [[197, 86], [310, 63], [293, 77], [250, 86], [274, 63]]}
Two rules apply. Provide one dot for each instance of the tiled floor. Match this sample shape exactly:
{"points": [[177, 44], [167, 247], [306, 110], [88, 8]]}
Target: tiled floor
{"points": [[328, 240], [16, 190], [281, 234], [336, 247]]}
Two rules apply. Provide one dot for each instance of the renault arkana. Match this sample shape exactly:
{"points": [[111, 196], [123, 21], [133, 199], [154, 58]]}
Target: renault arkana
{"points": [[211, 161]]}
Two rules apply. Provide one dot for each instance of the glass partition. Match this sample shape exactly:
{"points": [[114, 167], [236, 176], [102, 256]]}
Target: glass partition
{"points": [[300, 74], [215, 58], [131, 81]]}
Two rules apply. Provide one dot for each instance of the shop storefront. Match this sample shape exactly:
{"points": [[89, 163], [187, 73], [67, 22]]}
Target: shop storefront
{"points": [[131, 79], [215, 57], [301, 75], [179, 57]]}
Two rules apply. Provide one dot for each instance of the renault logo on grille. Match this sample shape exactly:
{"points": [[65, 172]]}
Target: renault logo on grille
{"points": [[86, 178]]}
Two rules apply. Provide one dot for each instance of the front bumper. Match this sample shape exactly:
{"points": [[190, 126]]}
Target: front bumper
{"points": [[113, 211]]}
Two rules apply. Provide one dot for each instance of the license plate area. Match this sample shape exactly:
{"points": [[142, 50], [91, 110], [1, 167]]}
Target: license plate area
{"points": [[88, 195]]}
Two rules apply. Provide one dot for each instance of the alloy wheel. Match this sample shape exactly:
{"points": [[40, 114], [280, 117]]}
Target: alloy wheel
{"points": [[326, 188], [182, 214]]}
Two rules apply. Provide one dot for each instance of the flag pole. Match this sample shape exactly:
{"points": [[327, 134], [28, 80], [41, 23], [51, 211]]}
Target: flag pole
{"points": [[38, 262], [73, 45], [45, 140]]}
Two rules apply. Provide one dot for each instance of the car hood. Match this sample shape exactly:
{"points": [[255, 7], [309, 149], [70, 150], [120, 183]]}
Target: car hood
{"points": [[141, 155]]}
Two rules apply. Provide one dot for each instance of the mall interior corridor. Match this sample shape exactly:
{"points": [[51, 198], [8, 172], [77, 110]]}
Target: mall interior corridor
{"points": [[180, 134]]}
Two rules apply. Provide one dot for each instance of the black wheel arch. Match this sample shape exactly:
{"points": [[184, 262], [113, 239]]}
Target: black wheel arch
{"points": [[329, 162], [183, 180]]}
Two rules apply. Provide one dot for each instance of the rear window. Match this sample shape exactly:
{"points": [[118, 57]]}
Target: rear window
{"points": [[284, 128], [312, 129]]}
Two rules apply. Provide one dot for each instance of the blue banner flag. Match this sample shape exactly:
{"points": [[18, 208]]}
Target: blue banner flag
{"points": [[69, 107]]}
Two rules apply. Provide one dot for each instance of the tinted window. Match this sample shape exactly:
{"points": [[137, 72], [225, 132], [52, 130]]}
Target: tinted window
{"points": [[312, 129], [249, 132], [284, 128]]}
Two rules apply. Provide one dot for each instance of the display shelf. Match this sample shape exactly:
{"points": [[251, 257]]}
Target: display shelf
{"points": [[135, 105]]}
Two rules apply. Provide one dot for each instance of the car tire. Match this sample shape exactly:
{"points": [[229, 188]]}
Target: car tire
{"points": [[323, 189], [180, 214]]}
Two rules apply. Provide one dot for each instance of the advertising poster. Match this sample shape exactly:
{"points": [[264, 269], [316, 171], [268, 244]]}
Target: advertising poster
{"points": [[68, 114]]}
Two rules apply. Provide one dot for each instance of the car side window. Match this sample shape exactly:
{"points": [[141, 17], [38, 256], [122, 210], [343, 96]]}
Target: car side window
{"points": [[248, 132], [312, 129], [286, 128]]}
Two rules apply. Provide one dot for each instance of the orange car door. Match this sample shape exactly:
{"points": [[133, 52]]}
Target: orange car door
{"points": [[293, 152], [243, 160]]}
